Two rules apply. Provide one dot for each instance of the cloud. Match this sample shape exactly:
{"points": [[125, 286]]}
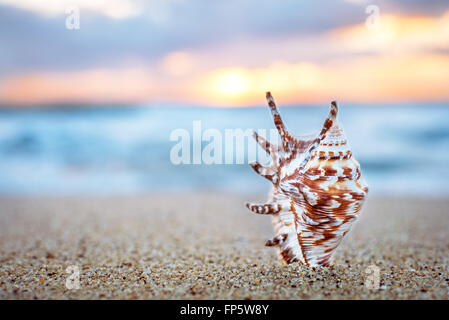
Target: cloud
{"points": [[396, 34], [34, 37], [96, 85], [159, 28], [432, 7], [224, 56], [394, 78], [177, 63], [405, 7], [118, 9], [417, 77]]}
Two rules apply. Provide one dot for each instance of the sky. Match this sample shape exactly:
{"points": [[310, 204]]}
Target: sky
{"points": [[223, 53]]}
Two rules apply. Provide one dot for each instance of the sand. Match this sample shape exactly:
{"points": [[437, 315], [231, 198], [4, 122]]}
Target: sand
{"points": [[208, 246]]}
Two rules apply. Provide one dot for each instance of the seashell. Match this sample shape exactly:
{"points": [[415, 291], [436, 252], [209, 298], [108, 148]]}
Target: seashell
{"points": [[317, 191]]}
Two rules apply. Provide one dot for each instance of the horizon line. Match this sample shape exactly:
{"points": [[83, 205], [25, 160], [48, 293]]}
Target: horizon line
{"points": [[116, 105]]}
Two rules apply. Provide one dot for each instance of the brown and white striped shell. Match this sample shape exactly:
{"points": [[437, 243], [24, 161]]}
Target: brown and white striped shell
{"points": [[317, 190]]}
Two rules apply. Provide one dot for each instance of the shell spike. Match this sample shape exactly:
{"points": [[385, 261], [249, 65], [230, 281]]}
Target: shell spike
{"points": [[286, 137], [262, 142], [330, 120], [266, 208], [279, 239], [333, 110], [266, 172]]}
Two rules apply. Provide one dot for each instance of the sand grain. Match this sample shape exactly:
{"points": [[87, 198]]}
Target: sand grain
{"points": [[208, 246]]}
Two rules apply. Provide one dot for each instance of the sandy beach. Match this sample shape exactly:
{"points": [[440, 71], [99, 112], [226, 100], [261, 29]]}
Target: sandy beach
{"points": [[208, 246]]}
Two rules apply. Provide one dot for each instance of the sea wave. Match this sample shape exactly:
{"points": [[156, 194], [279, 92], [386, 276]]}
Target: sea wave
{"points": [[402, 150]]}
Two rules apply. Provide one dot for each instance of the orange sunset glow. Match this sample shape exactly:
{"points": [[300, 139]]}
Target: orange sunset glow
{"points": [[403, 58]]}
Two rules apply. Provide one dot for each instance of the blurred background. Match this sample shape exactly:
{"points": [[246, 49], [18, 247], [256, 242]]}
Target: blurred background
{"points": [[91, 90]]}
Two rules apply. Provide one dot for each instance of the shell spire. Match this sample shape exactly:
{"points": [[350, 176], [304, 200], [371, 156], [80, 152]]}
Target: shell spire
{"points": [[317, 190]]}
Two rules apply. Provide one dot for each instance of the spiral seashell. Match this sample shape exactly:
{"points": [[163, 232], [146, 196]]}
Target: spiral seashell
{"points": [[317, 191]]}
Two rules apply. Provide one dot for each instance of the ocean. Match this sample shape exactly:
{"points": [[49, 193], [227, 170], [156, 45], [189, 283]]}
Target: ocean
{"points": [[403, 149]]}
